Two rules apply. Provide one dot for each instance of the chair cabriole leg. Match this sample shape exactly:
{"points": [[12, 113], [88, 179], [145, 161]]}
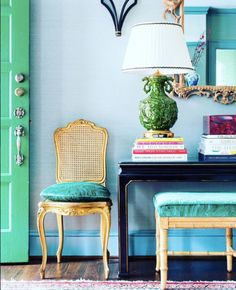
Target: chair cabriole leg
{"points": [[40, 225], [105, 229], [61, 236]]}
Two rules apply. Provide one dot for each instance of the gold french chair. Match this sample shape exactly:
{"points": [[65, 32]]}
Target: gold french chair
{"points": [[80, 189]]}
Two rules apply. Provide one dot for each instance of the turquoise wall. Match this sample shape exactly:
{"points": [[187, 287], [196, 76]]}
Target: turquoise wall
{"points": [[76, 73], [224, 21]]}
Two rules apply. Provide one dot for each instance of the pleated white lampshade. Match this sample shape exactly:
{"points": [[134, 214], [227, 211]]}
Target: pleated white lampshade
{"points": [[157, 46]]}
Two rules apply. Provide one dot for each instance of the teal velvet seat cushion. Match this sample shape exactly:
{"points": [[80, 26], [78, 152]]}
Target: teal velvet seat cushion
{"points": [[195, 204], [76, 192]]}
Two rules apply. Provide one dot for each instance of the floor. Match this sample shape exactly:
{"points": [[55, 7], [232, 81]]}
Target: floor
{"points": [[180, 269]]}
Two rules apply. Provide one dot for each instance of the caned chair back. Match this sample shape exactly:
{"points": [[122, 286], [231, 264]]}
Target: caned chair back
{"points": [[81, 152]]}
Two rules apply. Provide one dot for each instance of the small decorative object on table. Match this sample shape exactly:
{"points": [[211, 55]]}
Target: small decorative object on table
{"points": [[193, 77], [218, 143], [219, 124]]}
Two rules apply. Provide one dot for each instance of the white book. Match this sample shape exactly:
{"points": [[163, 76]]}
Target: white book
{"points": [[219, 136], [216, 142], [217, 152], [227, 148], [162, 147]]}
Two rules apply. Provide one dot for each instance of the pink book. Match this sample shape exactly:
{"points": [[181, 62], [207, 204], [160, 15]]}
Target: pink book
{"points": [[159, 143], [157, 151]]}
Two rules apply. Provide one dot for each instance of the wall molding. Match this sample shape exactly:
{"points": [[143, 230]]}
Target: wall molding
{"points": [[204, 10], [201, 10], [141, 242], [222, 11]]}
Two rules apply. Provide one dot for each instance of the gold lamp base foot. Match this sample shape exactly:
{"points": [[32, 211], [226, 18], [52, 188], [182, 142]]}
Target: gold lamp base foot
{"points": [[158, 134]]}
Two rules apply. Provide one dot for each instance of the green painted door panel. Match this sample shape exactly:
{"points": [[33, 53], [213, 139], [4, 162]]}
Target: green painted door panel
{"points": [[14, 178]]}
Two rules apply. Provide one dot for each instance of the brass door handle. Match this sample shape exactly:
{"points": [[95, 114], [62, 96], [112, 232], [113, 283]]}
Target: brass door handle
{"points": [[19, 132], [19, 92]]}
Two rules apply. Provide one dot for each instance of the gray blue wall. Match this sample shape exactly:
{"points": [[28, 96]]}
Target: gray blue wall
{"points": [[76, 73]]}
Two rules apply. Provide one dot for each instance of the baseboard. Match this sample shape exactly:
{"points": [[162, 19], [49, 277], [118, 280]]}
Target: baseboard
{"points": [[141, 242]]}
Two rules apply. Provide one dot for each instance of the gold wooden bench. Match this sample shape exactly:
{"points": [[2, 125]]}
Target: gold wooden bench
{"points": [[192, 210]]}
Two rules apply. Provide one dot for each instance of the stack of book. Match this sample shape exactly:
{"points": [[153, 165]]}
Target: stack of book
{"points": [[159, 149], [218, 142], [217, 148]]}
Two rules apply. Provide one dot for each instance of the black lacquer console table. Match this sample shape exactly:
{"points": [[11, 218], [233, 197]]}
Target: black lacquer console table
{"points": [[191, 171]]}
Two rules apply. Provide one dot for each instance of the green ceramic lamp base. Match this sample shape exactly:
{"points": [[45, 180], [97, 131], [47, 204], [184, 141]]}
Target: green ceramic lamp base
{"points": [[158, 112]]}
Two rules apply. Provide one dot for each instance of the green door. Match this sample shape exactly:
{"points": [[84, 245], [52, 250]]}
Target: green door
{"points": [[14, 130]]}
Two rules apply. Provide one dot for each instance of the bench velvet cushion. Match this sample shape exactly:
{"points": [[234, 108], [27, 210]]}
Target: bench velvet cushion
{"points": [[195, 204], [76, 192]]}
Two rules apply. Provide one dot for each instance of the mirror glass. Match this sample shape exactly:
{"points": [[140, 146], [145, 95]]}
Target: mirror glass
{"points": [[226, 67]]}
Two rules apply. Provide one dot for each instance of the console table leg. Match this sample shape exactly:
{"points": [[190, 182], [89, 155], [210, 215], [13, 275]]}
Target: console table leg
{"points": [[123, 229]]}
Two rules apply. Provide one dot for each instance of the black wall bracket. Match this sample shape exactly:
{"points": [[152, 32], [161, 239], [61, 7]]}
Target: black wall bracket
{"points": [[126, 7]]}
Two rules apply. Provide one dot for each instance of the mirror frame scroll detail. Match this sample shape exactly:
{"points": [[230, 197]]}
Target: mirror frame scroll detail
{"points": [[221, 94]]}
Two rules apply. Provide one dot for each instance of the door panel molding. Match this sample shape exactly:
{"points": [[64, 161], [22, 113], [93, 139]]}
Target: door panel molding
{"points": [[14, 178]]}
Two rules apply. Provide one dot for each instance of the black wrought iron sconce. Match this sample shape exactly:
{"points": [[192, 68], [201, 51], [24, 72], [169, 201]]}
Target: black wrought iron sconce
{"points": [[118, 21]]}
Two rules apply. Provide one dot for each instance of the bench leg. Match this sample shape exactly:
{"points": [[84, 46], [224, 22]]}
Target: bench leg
{"points": [[163, 256], [157, 243], [228, 249]]}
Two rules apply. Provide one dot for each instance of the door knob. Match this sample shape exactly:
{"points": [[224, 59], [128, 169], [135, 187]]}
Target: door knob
{"points": [[19, 78], [19, 92]]}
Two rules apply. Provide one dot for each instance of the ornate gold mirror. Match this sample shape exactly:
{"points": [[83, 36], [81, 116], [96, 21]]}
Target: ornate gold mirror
{"points": [[222, 85]]}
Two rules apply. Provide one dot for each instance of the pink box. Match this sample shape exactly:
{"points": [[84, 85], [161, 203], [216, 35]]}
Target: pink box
{"points": [[219, 125]]}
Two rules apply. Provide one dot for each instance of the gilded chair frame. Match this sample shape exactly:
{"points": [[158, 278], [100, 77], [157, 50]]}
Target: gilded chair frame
{"points": [[76, 208], [163, 224]]}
